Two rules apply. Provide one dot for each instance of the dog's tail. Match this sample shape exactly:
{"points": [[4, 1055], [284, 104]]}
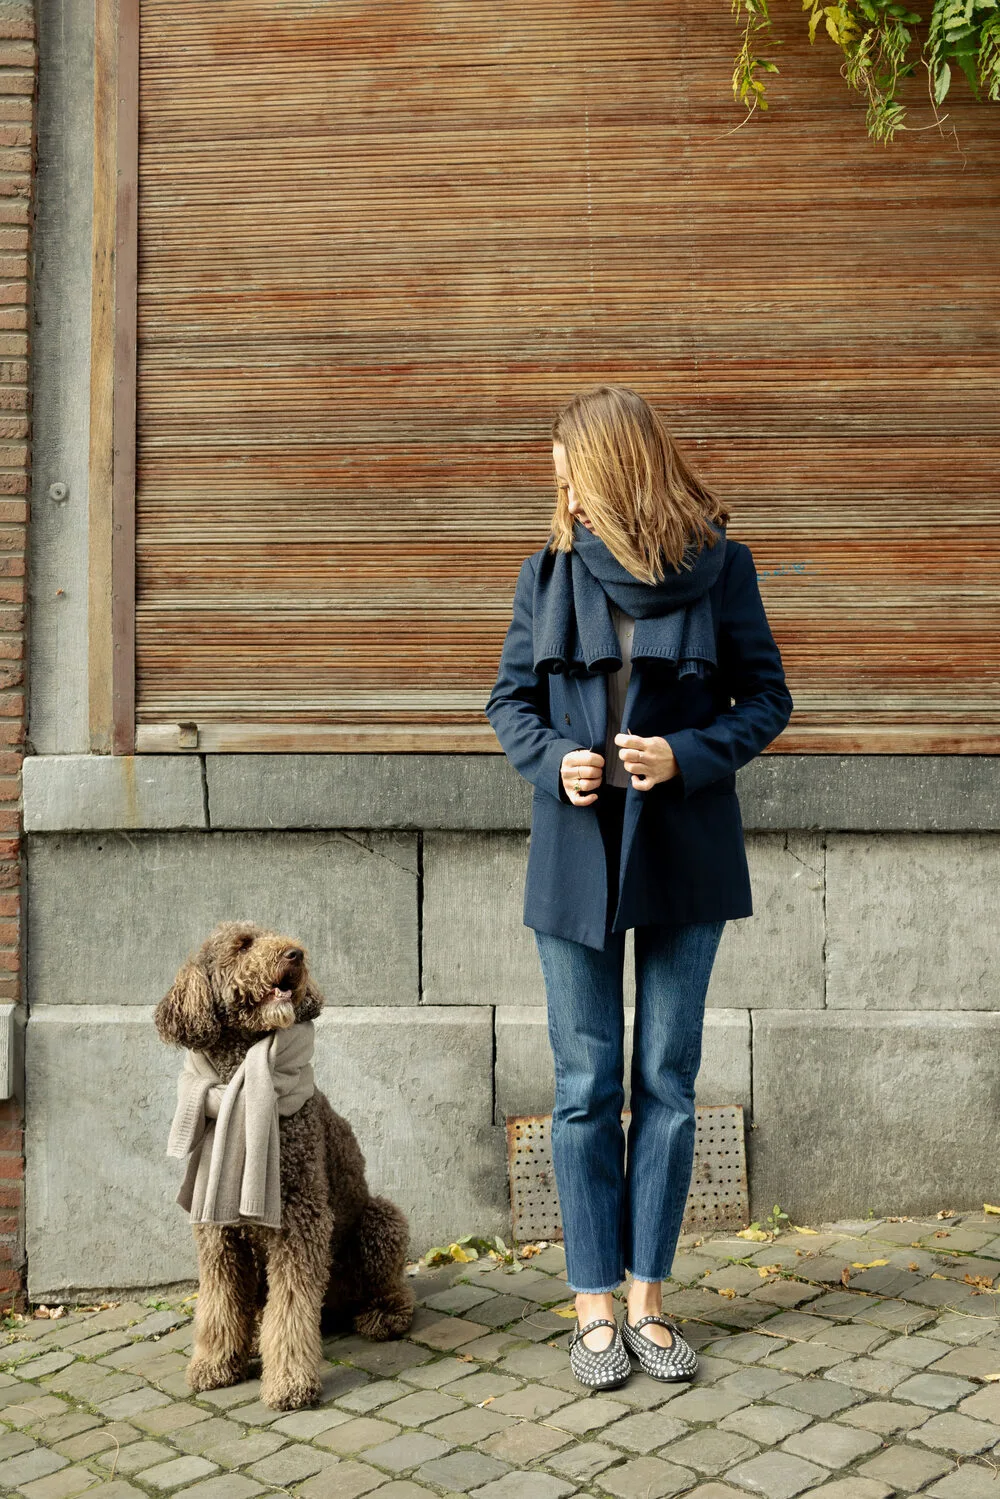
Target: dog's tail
{"points": [[387, 1298]]}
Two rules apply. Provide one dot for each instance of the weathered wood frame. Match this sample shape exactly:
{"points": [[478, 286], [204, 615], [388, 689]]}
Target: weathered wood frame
{"points": [[112, 529], [111, 611]]}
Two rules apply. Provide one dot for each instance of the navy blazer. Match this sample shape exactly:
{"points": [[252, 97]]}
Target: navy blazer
{"points": [[683, 857]]}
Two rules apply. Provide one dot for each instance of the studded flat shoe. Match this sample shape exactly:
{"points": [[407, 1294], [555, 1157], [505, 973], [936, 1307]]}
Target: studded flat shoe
{"points": [[677, 1362], [604, 1368]]}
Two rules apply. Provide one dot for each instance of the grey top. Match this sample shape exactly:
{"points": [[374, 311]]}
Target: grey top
{"points": [[614, 771]]}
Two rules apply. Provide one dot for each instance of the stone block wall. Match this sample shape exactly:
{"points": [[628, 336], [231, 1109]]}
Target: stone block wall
{"points": [[18, 71], [855, 1016]]}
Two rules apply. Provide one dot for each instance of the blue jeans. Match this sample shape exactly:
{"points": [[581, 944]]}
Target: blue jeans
{"points": [[619, 1217]]}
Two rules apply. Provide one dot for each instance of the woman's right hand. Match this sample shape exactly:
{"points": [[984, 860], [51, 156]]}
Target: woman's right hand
{"points": [[583, 769]]}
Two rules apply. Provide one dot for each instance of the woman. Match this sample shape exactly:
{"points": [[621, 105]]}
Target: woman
{"points": [[633, 630]]}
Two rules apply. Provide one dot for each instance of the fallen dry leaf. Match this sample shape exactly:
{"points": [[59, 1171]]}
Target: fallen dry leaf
{"points": [[936, 1276], [912, 1265], [466, 1358], [769, 1269], [867, 1264], [981, 1282], [800, 1230], [946, 1213], [845, 1275], [755, 1235], [942, 1233], [726, 1291], [988, 1207], [565, 1311]]}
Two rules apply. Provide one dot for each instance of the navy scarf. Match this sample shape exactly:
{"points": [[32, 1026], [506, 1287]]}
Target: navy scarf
{"points": [[573, 630]]}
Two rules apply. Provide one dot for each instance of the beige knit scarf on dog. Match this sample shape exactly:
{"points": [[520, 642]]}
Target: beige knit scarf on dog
{"points": [[230, 1129]]}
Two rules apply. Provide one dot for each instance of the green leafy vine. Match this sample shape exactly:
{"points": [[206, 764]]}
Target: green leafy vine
{"points": [[880, 49]]}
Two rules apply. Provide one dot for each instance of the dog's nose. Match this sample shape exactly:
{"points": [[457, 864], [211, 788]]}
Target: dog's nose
{"points": [[294, 954]]}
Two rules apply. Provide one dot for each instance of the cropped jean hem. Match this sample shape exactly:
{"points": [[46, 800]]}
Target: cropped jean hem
{"points": [[648, 1280], [601, 1290]]}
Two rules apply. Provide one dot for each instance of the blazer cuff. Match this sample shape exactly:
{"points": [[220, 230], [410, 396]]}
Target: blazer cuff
{"points": [[691, 765], [551, 780]]}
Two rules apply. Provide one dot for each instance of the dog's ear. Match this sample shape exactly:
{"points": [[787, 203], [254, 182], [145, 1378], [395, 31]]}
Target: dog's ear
{"points": [[310, 1004], [187, 1016]]}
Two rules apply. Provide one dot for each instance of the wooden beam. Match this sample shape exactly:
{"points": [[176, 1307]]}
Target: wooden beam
{"points": [[102, 322], [113, 379], [126, 273], [465, 739]]}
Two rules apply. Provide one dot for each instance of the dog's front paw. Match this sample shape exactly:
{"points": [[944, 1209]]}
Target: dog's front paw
{"points": [[290, 1392], [215, 1374]]}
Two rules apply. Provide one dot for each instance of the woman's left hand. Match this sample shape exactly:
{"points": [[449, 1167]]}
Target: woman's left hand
{"points": [[648, 761]]}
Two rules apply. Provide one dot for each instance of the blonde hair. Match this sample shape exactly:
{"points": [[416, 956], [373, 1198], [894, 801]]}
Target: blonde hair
{"points": [[644, 499]]}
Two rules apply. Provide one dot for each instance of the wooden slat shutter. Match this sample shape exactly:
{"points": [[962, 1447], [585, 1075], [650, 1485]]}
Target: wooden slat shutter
{"points": [[381, 243]]}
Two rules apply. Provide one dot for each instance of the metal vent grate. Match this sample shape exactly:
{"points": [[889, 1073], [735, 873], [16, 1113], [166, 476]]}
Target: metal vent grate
{"points": [[717, 1199]]}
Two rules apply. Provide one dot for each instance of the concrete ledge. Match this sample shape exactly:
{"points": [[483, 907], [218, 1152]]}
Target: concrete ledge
{"points": [[815, 792], [871, 793], [864, 793], [366, 791], [892, 1111], [101, 1191], [525, 1079], [91, 793]]}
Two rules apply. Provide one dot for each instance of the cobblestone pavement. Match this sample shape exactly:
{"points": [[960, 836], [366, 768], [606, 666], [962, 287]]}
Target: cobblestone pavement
{"points": [[884, 1385]]}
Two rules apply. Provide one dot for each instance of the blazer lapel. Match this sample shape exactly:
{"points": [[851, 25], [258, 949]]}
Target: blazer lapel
{"points": [[633, 798], [631, 693], [594, 699]]}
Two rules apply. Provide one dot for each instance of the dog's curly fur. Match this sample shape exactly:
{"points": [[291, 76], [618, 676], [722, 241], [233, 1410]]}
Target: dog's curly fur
{"points": [[338, 1248]]}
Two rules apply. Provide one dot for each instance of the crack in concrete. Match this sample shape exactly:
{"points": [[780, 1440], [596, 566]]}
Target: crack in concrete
{"points": [[826, 933], [379, 854], [798, 857], [205, 808], [420, 919]]}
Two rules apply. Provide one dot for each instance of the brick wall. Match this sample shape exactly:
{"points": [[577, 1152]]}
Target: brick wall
{"points": [[18, 76]]}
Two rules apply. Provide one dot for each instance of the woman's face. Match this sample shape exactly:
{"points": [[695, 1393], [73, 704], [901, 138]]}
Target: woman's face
{"points": [[566, 486]]}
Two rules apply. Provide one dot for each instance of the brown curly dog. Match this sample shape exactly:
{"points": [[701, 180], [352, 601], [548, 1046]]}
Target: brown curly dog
{"points": [[338, 1247]]}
